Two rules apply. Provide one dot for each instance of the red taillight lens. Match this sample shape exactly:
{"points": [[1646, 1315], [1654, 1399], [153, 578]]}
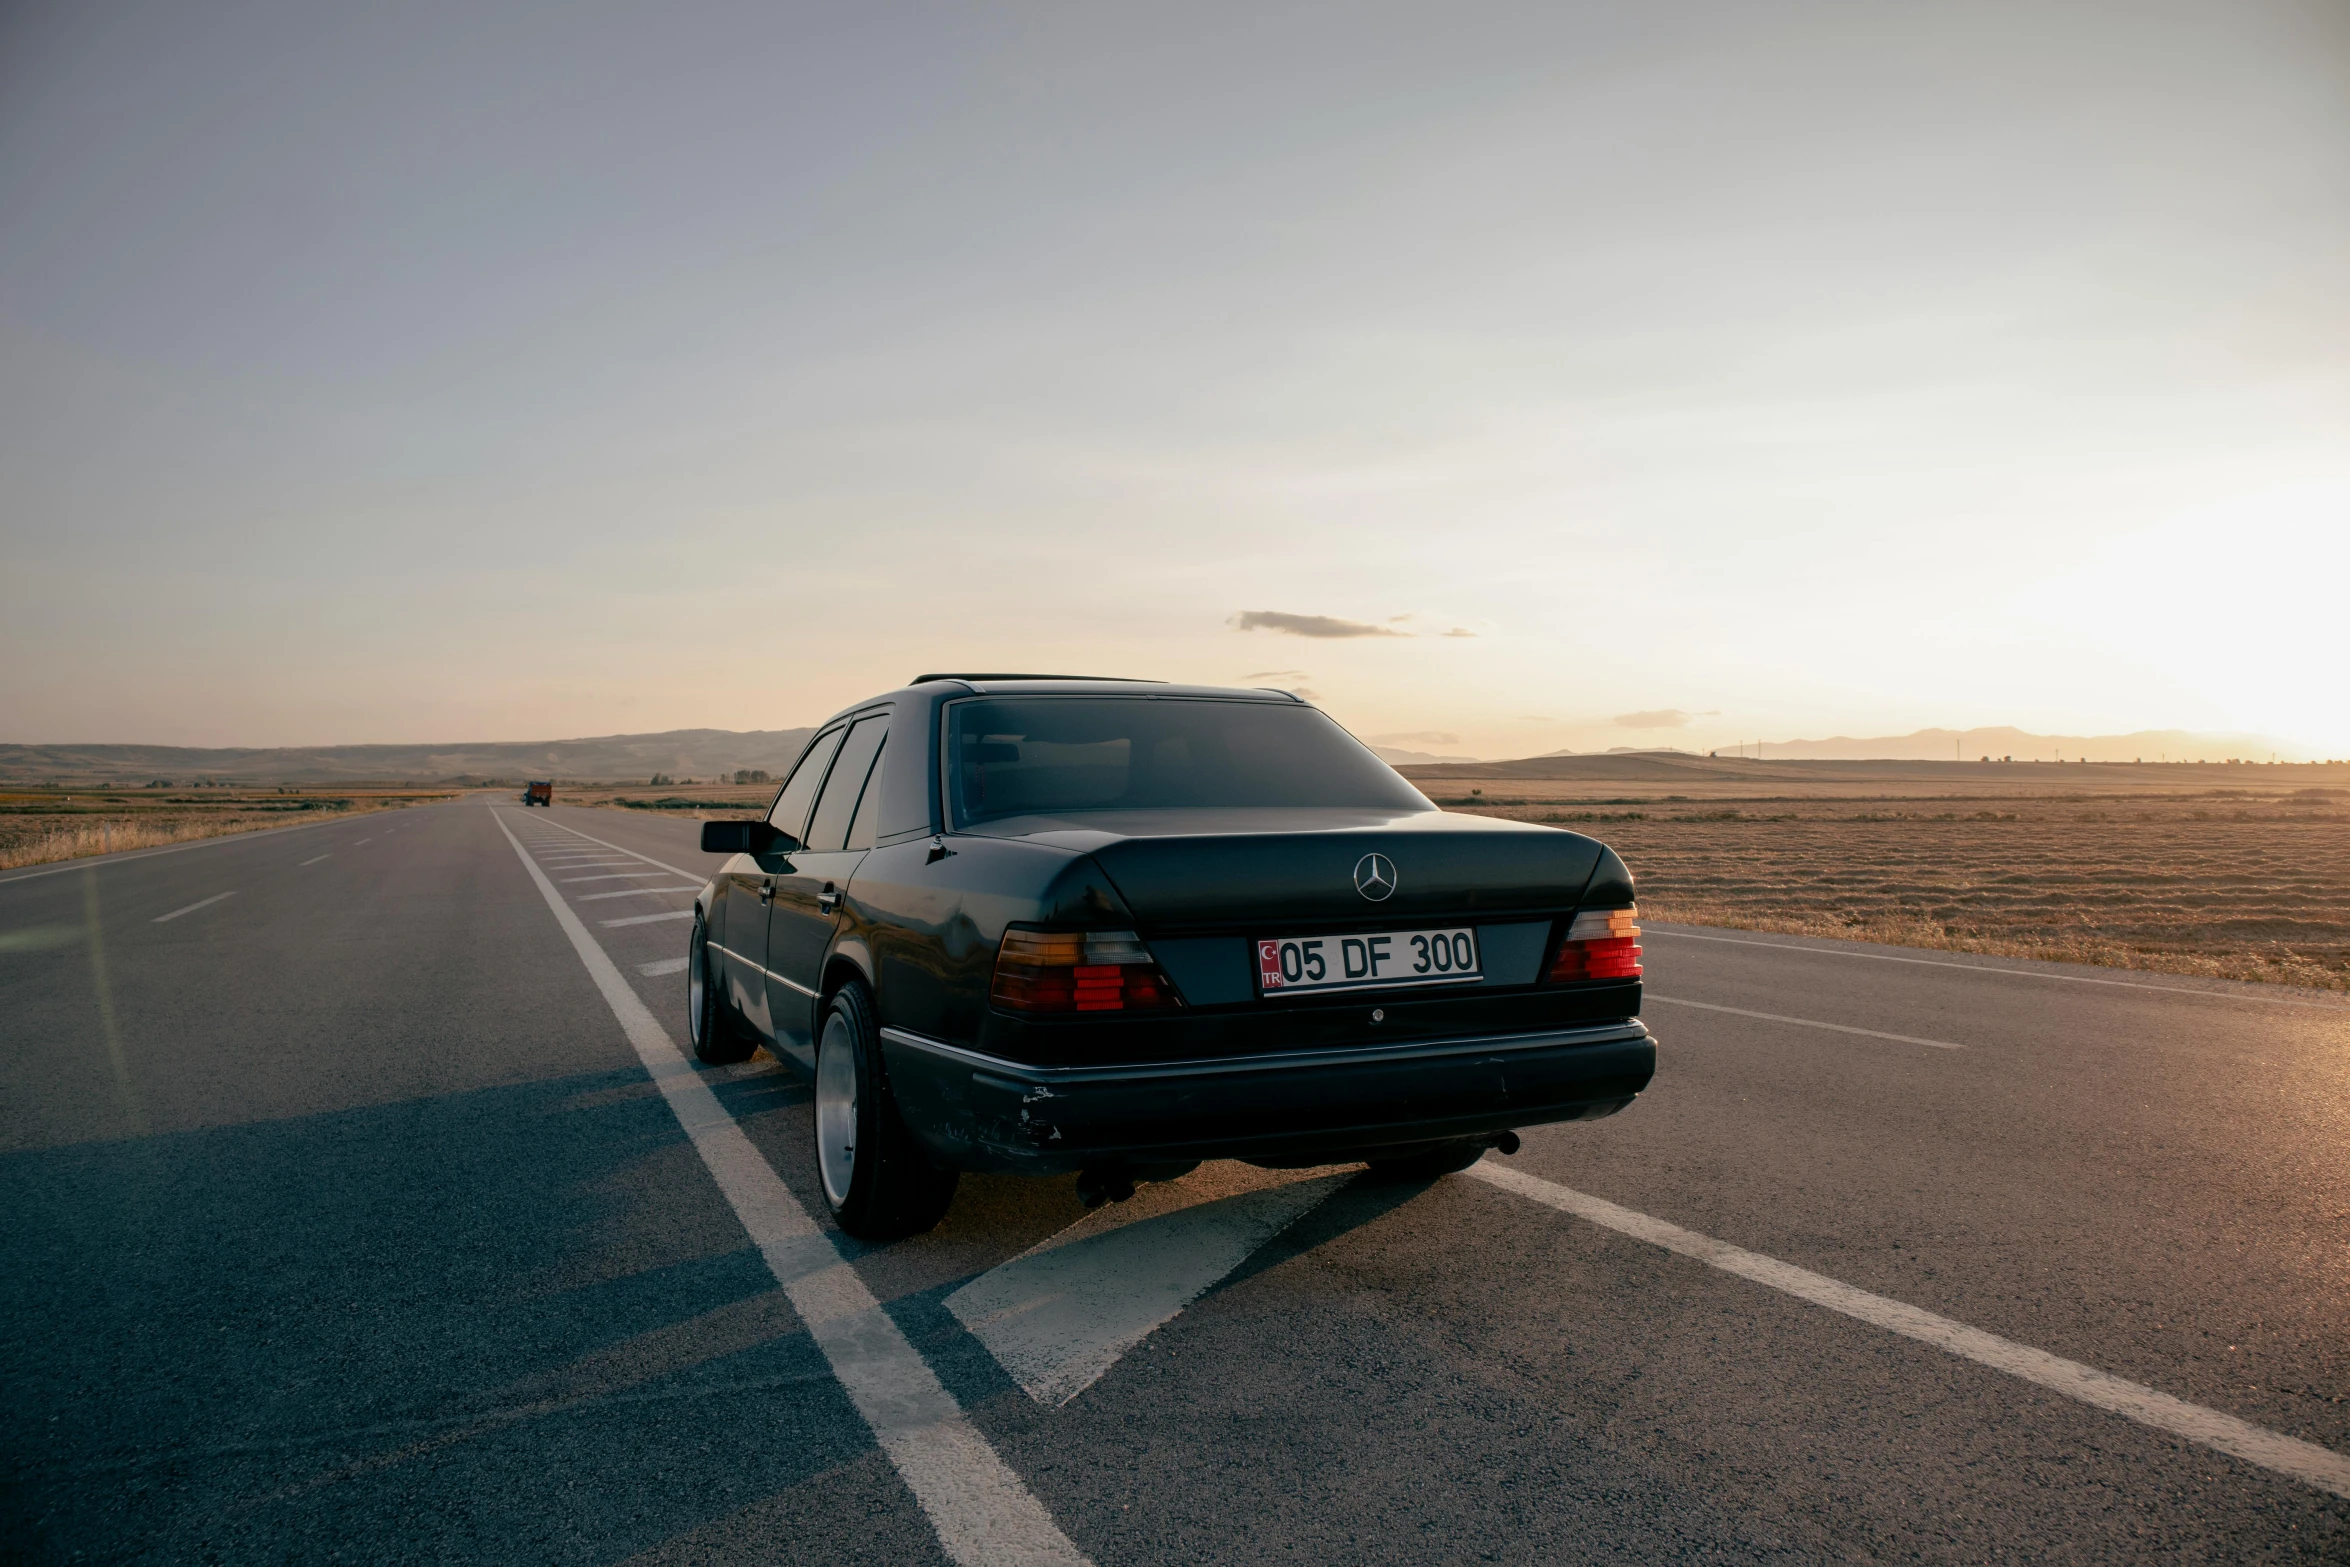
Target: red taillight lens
{"points": [[1078, 971], [1600, 944]]}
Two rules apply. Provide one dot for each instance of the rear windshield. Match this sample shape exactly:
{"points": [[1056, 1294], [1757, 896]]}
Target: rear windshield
{"points": [[1018, 756]]}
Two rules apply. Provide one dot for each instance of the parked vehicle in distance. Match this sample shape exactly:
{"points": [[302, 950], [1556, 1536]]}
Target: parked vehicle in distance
{"points": [[539, 791], [1041, 924]]}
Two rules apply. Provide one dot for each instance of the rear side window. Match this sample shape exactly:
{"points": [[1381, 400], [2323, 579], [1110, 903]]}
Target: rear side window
{"points": [[829, 828], [791, 806], [869, 807], [1014, 756]]}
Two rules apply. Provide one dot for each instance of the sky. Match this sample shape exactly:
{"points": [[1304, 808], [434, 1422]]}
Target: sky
{"points": [[1510, 377]]}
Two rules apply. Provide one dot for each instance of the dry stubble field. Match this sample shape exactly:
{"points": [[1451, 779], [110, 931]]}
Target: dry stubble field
{"points": [[41, 824], [2232, 872]]}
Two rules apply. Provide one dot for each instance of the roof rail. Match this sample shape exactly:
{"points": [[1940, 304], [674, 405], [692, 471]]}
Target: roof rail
{"points": [[925, 679]]}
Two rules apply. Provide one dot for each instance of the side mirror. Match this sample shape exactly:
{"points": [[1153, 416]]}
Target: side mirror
{"points": [[745, 838]]}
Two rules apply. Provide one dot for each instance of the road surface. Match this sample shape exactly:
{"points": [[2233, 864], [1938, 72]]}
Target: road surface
{"points": [[357, 1206]]}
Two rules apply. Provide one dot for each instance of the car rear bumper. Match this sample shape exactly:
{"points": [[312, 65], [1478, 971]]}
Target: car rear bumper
{"points": [[978, 1112]]}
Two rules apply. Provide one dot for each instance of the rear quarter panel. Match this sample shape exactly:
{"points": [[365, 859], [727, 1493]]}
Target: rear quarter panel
{"points": [[933, 926]]}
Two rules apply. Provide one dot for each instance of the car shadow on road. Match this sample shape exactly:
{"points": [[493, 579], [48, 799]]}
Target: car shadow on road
{"points": [[1360, 1201]]}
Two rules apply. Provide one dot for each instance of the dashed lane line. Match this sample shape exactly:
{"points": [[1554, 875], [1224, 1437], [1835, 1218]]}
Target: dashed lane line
{"points": [[984, 1514], [651, 919], [314, 859], [1803, 1022], [2306, 1462], [2011, 973], [193, 907]]}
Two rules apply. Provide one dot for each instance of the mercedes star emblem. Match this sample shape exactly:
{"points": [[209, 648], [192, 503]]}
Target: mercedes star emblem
{"points": [[1375, 877]]}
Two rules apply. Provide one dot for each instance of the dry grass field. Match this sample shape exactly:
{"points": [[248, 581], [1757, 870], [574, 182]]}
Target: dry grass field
{"points": [[2240, 873], [705, 801], [39, 825]]}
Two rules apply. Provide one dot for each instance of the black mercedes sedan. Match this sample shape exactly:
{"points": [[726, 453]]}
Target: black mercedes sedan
{"points": [[1042, 923]]}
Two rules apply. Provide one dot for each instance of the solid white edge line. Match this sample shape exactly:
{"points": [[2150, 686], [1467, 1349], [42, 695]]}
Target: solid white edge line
{"points": [[1804, 1022], [2012, 973], [2306, 1462], [191, 908], [985, 1514]]}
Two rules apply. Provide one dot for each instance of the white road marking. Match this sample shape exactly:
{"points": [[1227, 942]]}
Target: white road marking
{"points": [[314, 859], [2012, 973], [985, 1516], [1806, 1022], [1062, 1313], [363, 840], [2272, 1450], [570, 881], [661, 966], [651, 919], [633, 892], [631, 853], [192, 908]]}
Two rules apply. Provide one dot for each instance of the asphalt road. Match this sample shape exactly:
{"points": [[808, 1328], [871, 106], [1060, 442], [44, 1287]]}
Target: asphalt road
{"points": [[346, 1215]]}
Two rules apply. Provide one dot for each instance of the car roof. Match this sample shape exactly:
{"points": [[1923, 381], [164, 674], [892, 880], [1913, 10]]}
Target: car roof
{"points": [[1099, 685], [928, 687]]}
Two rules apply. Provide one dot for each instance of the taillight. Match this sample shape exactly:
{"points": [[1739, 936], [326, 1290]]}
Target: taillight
{"points": [[1078, 971], [1600, 944]]}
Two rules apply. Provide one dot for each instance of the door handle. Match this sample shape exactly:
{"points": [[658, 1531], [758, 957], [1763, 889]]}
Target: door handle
{"points": [[828, 899], [767, 890]]}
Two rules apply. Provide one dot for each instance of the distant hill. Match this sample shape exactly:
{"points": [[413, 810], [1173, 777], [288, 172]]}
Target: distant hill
{"points": [[680, 753], [1396, 757], [1942, 745]]}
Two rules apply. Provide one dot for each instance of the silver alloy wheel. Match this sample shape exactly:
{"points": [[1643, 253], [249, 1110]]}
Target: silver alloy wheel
{"points": [[836, 1108], [697, 983]]}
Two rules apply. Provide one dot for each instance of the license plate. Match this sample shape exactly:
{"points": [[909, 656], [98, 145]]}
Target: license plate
{"points": [[1382, 960]]}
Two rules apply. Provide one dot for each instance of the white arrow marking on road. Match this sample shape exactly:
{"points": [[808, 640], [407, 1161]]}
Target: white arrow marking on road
{"points": [[1061, 1313]]}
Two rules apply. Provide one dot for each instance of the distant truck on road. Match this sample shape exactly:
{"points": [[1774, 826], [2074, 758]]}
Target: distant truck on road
{"points": [[539, 791]]}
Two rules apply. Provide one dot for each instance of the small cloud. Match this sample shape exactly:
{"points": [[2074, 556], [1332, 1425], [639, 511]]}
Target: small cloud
{"points": [[1399, 619], [1418, 737], [1307, 625], [1662, 718], [1278, 674], [1460, 631], [1303, 695]]}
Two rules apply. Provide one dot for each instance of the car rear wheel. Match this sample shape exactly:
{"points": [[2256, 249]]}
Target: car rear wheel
{"points": [[876, 1180], [718, 1039], [1427, 1161]]}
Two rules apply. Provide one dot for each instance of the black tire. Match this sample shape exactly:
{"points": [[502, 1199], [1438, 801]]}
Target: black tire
{"points": [[718, 1039], [1427, 1161], [875, 1178]]}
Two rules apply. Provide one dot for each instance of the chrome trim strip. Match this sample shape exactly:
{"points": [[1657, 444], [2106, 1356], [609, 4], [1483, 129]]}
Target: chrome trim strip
{"points": [[770, 973], [1292, 1060]]}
